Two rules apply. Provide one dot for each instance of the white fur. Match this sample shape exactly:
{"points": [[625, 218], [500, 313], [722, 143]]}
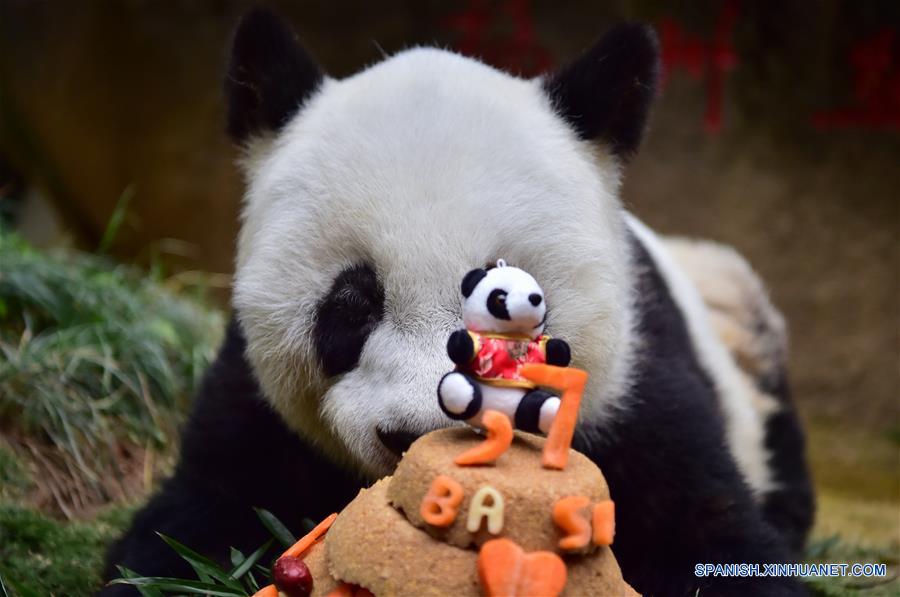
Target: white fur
{"points": [[744, 424], [743, 316], [425, 165]]}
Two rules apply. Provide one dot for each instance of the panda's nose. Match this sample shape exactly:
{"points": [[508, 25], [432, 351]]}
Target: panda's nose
{"points": [[535, 299], [397, 441]]}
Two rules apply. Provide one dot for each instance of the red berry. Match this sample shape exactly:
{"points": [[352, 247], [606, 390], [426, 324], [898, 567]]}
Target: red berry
{"points": [[292, 577]]}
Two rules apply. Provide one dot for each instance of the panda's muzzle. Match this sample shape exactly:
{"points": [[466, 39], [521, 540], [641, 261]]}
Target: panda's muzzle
{"points": [[397, 441]]}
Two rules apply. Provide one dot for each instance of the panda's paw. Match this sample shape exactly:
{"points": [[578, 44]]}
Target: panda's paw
{"points": [[459, 396]]}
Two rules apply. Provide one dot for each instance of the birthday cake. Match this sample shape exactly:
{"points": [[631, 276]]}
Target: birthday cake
{"points": [[382, 542], [508, 526], [503, 513]]}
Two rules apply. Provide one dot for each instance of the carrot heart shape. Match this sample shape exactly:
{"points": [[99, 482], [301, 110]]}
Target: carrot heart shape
{"points": [[505, 570]]}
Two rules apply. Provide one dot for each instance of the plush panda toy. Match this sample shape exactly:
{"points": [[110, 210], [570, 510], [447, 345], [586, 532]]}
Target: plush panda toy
{"points": [[367, 200], [504, 313]]}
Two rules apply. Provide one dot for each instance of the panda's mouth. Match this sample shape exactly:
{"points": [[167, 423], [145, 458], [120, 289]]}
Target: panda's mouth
{"points": [[397, 441], [541, 322]]}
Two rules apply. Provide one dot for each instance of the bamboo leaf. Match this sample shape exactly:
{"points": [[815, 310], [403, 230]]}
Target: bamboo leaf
{"points": [[248, 562], [205, 568], [236, 557], [144, 591], [191, 587], [276, 527]]}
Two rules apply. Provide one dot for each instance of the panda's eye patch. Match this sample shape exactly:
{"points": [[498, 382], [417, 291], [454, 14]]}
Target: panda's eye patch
{"points": [[496, 304], [346, 316]]}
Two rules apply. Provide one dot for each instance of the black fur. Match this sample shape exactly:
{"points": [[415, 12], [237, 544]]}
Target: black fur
{"points": [[558, 352], [236, 454], [346, 316], [270, 75], [460, 347], [471, 280], [680, 499], [528, 413], [474, 405], [496, 304], [791, 507], [606, 93], [397, 441]]}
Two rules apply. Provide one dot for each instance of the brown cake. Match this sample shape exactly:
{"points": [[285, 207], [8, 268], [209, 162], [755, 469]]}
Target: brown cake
{"points": [[381, 542], [500, 514]]}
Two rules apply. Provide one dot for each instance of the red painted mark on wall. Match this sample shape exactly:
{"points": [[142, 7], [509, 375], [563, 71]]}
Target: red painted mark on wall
{"points": [[501, 34], [876, 86], [707, 60]]}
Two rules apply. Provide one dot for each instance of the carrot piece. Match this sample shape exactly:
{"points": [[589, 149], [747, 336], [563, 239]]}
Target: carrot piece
{"points": [[604, 520], [499, 437], [440, 504], [267, 591], [504, 569], [571, 382], [343, 590], [347, 590], [499, 565], [544, 573], [568, 515], [296, 550]]}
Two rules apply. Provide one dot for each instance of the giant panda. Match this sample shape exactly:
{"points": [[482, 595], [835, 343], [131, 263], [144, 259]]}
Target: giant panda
{"points": [[367, 200]]}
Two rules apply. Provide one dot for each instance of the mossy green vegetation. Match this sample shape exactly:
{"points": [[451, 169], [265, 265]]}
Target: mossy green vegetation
{"points": [[834, 549], [97, 365], [96, 359], [41, 556]]}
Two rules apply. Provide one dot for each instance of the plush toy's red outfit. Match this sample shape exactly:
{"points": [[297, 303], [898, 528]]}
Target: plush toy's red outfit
{"points": [[498, 358]]}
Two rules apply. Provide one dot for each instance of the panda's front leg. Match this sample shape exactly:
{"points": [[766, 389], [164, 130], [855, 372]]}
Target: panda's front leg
{"points": [[681, 502]]}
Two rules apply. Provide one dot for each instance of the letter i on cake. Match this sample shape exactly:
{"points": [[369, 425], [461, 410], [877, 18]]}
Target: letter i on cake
{"points": [[499, 512]]}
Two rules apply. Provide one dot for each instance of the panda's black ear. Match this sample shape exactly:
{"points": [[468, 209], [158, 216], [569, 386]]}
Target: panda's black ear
{"points": [[605, 94], [471, 280], [269, 76]]}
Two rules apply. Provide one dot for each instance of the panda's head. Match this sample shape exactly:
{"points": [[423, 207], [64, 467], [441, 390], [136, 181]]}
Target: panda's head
{"points": [[369, 198], [503, 299]]}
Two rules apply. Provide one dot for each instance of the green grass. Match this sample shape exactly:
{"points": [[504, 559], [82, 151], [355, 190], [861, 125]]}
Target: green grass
{"points": [[43, 556], [97, 365], [97, 360], [835, 550], [14, 479]]}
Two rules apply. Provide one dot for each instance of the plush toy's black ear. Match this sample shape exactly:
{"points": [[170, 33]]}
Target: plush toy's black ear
{"points": [[471, 280], [606, 93], [269, 76]]}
